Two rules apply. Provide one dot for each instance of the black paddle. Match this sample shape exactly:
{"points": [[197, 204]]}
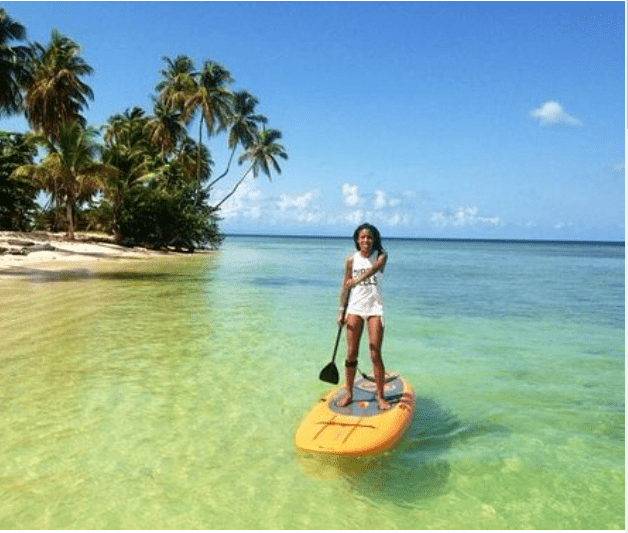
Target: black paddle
{"points": [[329, 374]]}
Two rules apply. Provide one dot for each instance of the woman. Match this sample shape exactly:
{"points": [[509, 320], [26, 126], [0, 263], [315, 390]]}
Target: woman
{"points": [[363, 277]]}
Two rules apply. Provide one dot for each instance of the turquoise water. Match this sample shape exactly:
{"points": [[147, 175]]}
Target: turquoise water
{"points": [[165, 395]]}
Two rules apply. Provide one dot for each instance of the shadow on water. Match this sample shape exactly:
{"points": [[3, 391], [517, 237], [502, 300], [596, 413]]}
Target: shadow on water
{"points": [[288, 281], [79, 274], [415, 470]]}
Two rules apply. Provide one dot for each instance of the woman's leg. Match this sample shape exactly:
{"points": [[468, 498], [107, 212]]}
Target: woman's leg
{"points": [[376, 336], [354, 325]]}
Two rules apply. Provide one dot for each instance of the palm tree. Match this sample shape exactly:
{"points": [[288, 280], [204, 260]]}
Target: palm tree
{"points": [[187, 160], [213, 99], [128, 150], [121, 125], [244, 126], [262, 154], [165, 130], [13, 65], [177, 83], [17, 197], [56, 95], [70, 170]]}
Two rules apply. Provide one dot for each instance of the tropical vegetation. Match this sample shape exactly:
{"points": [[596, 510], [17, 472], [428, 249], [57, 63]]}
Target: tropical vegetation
{"points": [[145, 177]]}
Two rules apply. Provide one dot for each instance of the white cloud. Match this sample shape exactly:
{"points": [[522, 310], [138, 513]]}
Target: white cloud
{"points": [[380, 200], [350, 194], [301, 202], [253, 204], [304, 208], [462, 217], [354, 217], [551, 113], [244, 204]]}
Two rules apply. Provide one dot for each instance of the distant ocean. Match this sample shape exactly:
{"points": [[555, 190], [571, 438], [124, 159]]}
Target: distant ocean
{"points": [[166, 395]]}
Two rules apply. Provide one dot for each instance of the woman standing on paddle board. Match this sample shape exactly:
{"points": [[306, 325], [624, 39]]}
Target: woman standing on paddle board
{"points": [[363, 277]]}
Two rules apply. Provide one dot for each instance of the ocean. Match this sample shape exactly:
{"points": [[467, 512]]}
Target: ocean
{"points": [[166, 394]]}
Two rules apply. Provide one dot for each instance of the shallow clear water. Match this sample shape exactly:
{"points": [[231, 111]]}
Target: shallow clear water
{"points": [[166, 395]]}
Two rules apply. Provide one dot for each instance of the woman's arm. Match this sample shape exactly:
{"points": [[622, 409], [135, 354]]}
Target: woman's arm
{"points": [[379, 265]]}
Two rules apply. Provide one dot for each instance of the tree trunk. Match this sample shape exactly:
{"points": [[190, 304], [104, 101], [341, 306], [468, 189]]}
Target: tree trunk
{"points": [[56, 202], [225, 172], [198, 159], [70, 216], [217, 206], [115, 222]]}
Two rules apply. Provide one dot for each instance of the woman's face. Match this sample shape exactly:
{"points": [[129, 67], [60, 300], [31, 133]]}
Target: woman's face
{"points": [[365, 242]]}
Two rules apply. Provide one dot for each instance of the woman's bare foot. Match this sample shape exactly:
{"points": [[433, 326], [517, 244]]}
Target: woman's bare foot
{"points": [[345, 401], [383, 404]]}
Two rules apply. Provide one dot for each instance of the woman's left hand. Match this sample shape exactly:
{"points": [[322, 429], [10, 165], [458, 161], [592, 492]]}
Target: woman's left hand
{"points": [[351, 282]]}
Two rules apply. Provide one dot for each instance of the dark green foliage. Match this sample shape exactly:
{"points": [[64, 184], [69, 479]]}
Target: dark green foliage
{"points": [[18, 204], [155, 199], [162, 217], [47, 219]]}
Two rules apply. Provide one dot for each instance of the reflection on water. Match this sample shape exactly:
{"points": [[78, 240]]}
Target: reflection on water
{"points": [[166, 396], [416, 469]]}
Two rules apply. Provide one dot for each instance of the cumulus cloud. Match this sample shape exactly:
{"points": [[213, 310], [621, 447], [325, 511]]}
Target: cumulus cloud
{"points": [[379, 207], [354, 217], [380, 200], [552, 113], [304, 208], [299, 202], [344, 207], [350, 194], [244, 204], [462, 217]]}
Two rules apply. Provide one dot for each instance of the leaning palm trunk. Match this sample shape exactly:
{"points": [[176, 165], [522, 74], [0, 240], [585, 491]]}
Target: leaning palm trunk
{"points": [[198, 158], [235, 188], [225, 172]]}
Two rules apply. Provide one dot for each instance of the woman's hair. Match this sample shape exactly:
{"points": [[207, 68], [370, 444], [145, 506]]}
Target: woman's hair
{"points": [[377, 239]]}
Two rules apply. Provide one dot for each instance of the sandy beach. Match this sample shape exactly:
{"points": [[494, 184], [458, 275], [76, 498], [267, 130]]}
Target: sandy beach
{"points": [[25, 254]]}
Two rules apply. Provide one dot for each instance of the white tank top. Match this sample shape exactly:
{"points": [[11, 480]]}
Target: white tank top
{"points": [[366, 297]]}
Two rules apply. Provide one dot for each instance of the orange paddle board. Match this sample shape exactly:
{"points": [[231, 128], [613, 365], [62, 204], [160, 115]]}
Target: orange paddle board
{"points": [[361, 428]]}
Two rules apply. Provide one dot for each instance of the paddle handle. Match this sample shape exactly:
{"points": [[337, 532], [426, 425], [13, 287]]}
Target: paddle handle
{"points": [[344, 313]]}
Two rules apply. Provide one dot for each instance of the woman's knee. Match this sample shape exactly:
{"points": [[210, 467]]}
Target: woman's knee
{"points": [[353, 349], [376, 354], [354, 332]]}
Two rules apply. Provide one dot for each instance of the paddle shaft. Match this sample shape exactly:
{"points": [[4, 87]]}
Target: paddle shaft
{"points": [[329, 374], [344, 314], [333, 358]]}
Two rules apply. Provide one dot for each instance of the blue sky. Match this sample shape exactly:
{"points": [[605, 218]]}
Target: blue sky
{"points": [[428, 119]]}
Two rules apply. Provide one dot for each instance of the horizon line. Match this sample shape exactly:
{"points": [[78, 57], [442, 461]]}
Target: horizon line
{"points": [[453, 239]]}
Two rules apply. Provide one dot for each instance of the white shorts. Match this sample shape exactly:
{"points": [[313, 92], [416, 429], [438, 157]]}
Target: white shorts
{"points": [[365, 316]]}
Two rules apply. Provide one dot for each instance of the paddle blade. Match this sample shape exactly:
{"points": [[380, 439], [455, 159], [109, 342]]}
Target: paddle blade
{"points": [[329, 374]]}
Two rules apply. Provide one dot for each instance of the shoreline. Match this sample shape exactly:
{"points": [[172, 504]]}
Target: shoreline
{"points": [[23, 254]]}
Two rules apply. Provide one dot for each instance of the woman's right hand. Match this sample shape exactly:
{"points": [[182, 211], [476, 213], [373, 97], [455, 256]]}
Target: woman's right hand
{"points": [[340, 319]]}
